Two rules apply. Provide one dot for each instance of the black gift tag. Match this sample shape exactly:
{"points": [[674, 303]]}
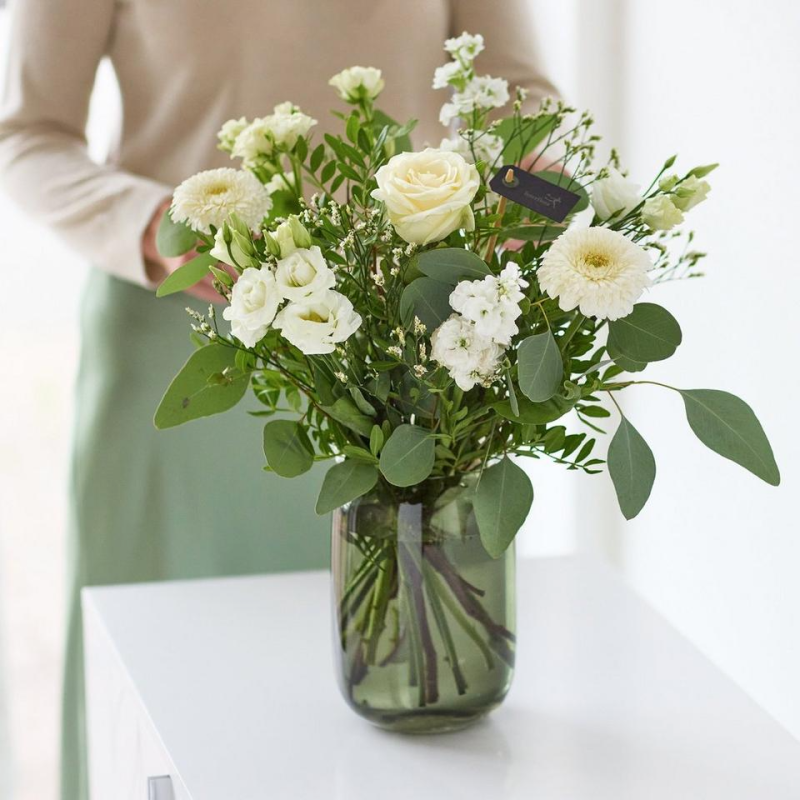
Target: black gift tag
{"points": [[537, 194]]}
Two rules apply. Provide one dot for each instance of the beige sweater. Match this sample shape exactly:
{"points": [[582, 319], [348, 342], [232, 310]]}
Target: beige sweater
{"points": [[185, 66]]}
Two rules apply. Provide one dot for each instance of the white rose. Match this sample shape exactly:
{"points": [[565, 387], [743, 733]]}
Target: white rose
{"points": [[428, 194], [254, 303], [660, 213], [468, 357], [303, 275], [316, 326], [356, 83], [690, 192], [615, 193]]}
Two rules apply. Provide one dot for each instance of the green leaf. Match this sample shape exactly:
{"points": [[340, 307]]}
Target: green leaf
{"points": [[287, 448], [532, 233], [207, 384], [632, 468], [187, 275], [452, 264], [727, 425], [534, 413], [399, 134], [522, 139], [648, 333], [345, 482], [623, 362], [316, 157], [375, 440], [408, 456], [502, 502], [427, 299], [363, 405], [344, 410], [174, 238], [540, 368]]}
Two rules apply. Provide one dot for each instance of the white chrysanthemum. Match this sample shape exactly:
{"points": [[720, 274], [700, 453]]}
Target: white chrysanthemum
{"points": [[464, 47], [488, 147], [597, 270], [211, 197], [317, 326], [468, 357], [254, 303]]}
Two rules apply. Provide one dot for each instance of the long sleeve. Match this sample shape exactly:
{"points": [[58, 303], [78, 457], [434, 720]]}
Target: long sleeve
{"points": [[511, 48], [100, 211]]}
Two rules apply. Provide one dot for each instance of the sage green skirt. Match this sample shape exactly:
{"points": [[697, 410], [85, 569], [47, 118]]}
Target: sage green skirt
{"points": [[150, 505]]}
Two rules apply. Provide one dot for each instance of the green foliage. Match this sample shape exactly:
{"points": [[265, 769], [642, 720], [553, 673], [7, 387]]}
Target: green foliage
{"points": [[540, 367], [187, 275], [174, 238], [427, 299], [408, 456], [727, 425], [207, 384], [345, 410], [287, 448], [522, 136], [534, 413], [451, 264], [345, 482], [502, 501], [632, 468], [648, 333]]}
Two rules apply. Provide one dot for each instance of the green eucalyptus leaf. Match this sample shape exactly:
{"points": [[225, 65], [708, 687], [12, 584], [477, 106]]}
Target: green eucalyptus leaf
{"points": [[427, 299], [174, 238], [207, 384], [539, 366], [345, 482], [632, 468], [287, 448], [534, 413], [344, 410], [502, 501], [648, 333], [408, 456], [452, 264], [187, 275], [625, 363], [727, 425]]}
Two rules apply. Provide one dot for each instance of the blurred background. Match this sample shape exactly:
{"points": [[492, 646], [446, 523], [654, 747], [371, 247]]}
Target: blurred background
{"points": [[715, 551]]}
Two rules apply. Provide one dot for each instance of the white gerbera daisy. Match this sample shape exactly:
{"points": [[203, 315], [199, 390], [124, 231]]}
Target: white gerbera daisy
{"points": [[209, 198], [597, 270]]}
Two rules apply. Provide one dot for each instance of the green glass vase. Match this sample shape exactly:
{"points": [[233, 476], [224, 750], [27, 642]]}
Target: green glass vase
{"points": [[424, 616]]}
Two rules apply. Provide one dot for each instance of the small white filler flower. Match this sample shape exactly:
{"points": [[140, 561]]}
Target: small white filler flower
{"points": [[596, 270], [468, 357]]}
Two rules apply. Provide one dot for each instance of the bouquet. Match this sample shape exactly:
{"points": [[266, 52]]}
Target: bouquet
{"points": [[421, 319]]}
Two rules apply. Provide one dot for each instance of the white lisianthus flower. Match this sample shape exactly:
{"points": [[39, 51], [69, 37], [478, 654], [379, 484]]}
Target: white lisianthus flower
{"points": [[254, 303], [660, 213], [220, 250], [690, 192], [427, 194], [315, 327], [303, 275], [285, 239], [465, 47], [596, 270], [280, 182], [357, 83], [492, 304], [253, 143], [230, 131], [468, 357], [287, 124], [488, 147], [615, 193], [209, 198]]}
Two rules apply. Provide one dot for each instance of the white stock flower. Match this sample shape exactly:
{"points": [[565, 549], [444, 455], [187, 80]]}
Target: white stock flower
{"points": [[427, 194], [615, 193], [690, 192], [482, 92], [659, 213], [317, 326], [287, 124], [596, 270], [209, 198], [254, 303], [303, 275], [253, 142], [450, 74], [356, 83], [468, 357], [465, 47], [488, 147], [229, 132], [280, 182], [492, 304]]}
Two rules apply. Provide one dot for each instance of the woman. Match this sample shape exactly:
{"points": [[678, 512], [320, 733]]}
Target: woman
{"points": [[192, 501]]}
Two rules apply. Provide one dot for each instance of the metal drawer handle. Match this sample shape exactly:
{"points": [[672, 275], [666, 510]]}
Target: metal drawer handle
{"points": [[160, 788]]}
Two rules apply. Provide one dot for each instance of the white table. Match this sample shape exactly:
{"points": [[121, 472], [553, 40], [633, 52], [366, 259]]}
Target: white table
{"points": [[227, 687]]}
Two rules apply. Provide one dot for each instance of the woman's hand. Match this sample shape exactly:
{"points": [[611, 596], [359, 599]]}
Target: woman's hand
{"points": [[158, 267]]}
